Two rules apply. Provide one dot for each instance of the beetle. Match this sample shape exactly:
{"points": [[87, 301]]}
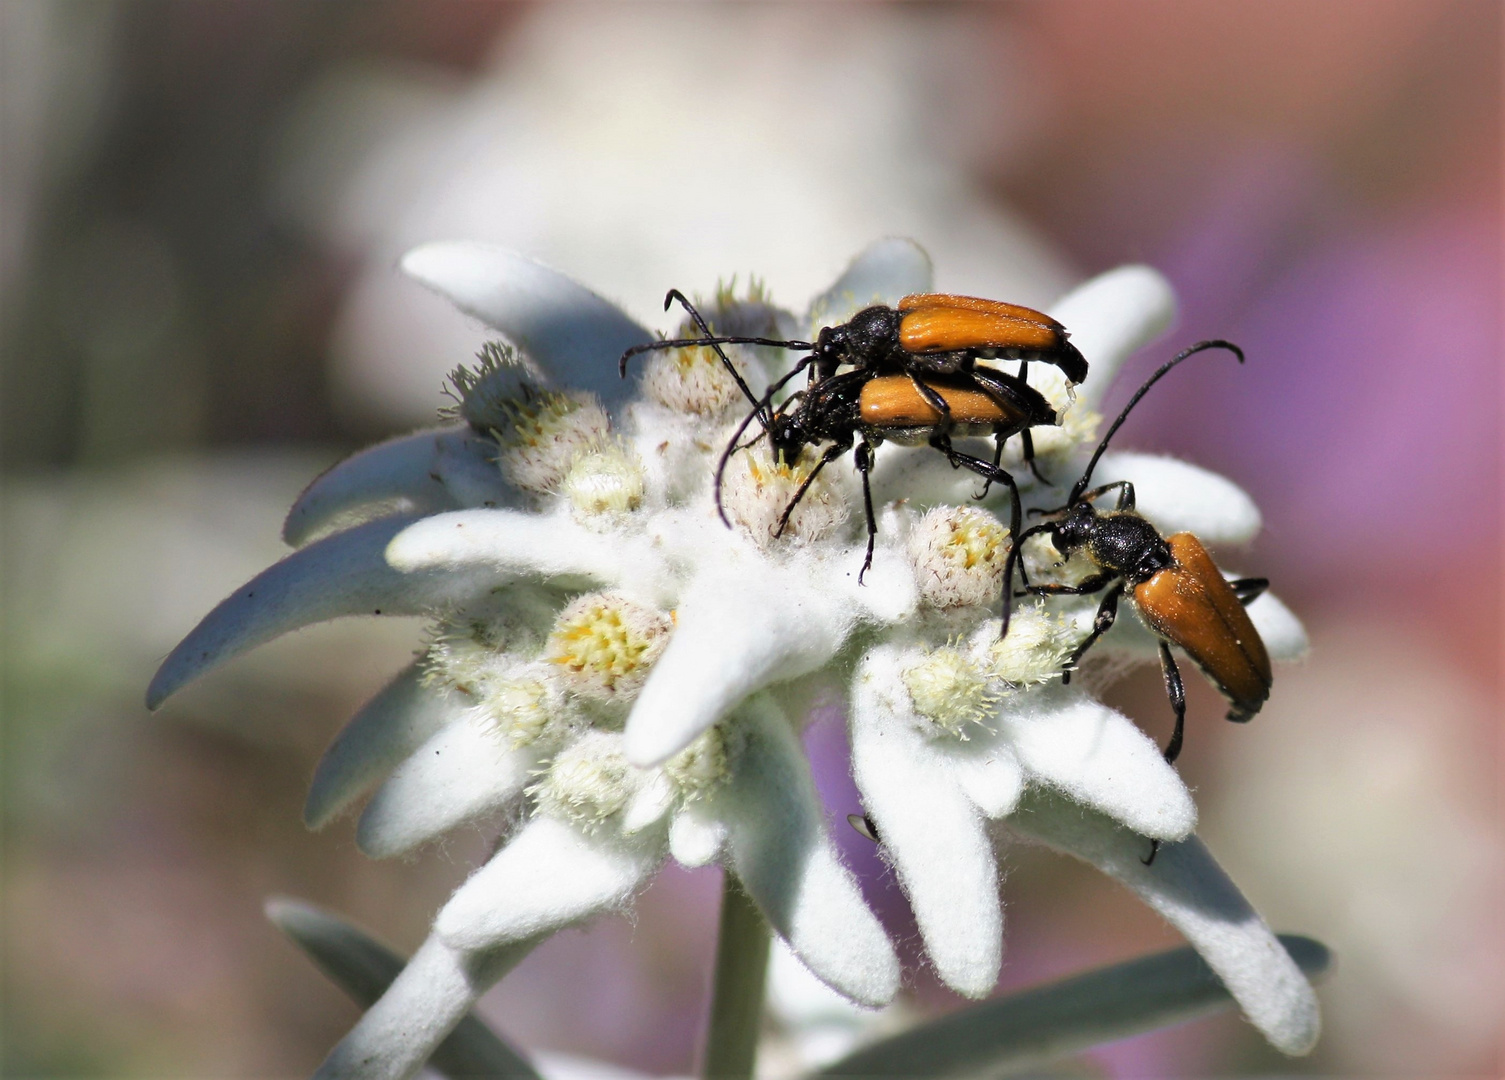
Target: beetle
{"points": [[1172, 583], [926, 334], [867, 409], [898, 391]]}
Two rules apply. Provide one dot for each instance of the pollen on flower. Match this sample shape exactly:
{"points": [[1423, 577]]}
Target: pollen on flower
{"points": [[481, 393], [756, 491], [950, 690], [605, 481], [587, 782], [1036, 647], [702, 765], [604, 645], [544, 432], [958, 554]]}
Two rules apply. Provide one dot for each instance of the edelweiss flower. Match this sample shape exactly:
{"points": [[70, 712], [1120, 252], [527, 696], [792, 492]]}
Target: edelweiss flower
{"points": [[622, 676]]}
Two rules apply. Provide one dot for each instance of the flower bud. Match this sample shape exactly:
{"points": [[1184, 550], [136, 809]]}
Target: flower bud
{"points": [[958, 553]]}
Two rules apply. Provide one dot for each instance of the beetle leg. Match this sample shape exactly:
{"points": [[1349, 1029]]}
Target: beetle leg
{"points": [[1028, 442], [1125, 494], [1249, 589], [1154, 850], [1014, 560], [1177, 693], [1090, 585], [1107, 612], [998, 440], [932, 398], [864, 461], [834, 451]]}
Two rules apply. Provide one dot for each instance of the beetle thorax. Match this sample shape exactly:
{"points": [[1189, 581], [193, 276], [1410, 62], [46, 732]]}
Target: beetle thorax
{"points": [[864, 341], [1127, 544]]}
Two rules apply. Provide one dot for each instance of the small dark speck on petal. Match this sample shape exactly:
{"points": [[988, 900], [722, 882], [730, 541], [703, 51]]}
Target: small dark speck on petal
{"points": [[377, 611]]}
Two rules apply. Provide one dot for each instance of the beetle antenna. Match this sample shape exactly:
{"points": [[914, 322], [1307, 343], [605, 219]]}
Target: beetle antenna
{"points": [[1201, 346], [760, 407], [765, 416]]}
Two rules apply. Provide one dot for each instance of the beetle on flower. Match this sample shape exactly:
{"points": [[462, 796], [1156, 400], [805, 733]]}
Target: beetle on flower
{"points": [[622, 677]]}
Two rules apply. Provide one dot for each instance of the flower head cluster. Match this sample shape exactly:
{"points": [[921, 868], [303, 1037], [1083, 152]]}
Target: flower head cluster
{"points": [[612, 669]]}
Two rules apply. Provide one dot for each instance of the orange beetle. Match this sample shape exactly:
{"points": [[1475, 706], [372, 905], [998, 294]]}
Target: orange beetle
{"points": [[1171, 581]]}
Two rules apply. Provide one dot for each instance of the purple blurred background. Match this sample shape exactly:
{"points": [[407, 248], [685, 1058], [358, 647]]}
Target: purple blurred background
{"points": [[201, 205]]}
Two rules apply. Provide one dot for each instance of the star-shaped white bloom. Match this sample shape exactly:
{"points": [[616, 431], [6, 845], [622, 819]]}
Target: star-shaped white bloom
{"points": [[622, 676]]}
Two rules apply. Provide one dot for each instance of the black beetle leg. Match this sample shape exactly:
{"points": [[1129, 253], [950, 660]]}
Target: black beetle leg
{"points": [[1125, 494], [1028, 443], [1154, 850], [864, 461], [1249, 589], [832, 453], [1107, 612], [1177, 693]]}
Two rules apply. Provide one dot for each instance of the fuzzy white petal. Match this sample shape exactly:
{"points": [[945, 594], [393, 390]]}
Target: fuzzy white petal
{"points": [[463, 772], [1099, 757], [738, 629], [882, 273], [573, 335], [343, 574], [779, 846], [1111, 316], [549, 876], [1179, 497], [387, 729], [695, 837], [1186, 886], [1284, 636], [427, 471], [509, 543], [649, 804], [437, 988], [991, 775], [933, 832]]}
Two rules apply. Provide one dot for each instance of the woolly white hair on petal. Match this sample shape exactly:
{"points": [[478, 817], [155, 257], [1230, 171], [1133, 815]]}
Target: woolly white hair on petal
{"points": [[549, 876], [884, 272], [931, 830], [1099, 758], [739, 628], [1193, 894], [343, 574], [510, 543], [387, 729], [695, 837], [988, 770], [1179, 497], [573, 335], [463, 772], [778, 845], [428, 471], [1110, 317], [427, 999]]}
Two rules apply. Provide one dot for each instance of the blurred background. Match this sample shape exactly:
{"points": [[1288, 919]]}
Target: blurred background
{"points": [[201, 205]]}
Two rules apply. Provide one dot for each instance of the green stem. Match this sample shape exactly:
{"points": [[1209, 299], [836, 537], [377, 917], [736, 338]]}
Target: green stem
{"points": [[737, 997]]}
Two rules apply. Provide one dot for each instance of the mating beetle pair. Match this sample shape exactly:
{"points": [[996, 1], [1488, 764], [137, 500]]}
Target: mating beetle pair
{"points": [[914, 379]]}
